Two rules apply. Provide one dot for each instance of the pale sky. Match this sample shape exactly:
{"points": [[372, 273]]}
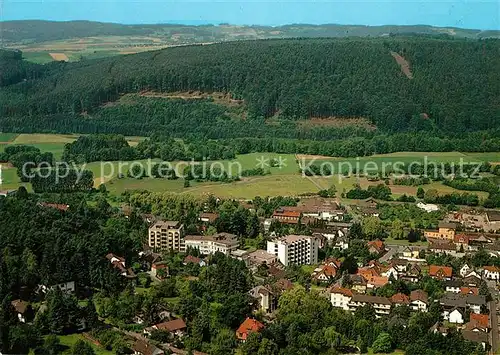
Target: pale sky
{"points": [[480, 14]]}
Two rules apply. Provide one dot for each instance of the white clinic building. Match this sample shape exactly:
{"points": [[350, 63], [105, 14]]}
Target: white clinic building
{"points": [[295, 249]]}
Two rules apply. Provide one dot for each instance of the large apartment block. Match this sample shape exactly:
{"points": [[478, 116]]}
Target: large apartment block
{"points": [[166, 235], [294, 249], [210, 244]]}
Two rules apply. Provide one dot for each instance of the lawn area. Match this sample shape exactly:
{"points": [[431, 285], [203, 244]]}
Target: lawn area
{"points": [[7, 137], [10, 180], [248, 188], [70, 340], [37, 57]]}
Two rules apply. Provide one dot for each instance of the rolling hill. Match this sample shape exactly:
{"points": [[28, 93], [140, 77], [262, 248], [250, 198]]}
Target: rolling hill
{"points": [[278, 84]]}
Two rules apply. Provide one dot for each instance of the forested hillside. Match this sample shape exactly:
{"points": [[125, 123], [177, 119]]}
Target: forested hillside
{"points": [[455, 89], [36, 31]]}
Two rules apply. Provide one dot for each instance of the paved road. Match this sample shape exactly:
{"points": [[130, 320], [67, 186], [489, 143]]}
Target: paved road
{"points": [[494, 308]]}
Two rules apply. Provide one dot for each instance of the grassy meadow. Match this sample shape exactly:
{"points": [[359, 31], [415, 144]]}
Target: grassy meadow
{"points": [[284, 180]]}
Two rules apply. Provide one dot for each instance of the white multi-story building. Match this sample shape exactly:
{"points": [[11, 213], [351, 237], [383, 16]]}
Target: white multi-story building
{"points": [[166, 235], [340, 297], [295, 249], [210, 244], [381, 305]]}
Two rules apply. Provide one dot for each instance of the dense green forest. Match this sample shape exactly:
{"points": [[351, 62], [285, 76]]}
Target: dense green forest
{"points": [[454, 90]]}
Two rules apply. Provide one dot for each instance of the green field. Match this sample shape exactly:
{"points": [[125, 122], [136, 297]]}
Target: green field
{"points": [[70, 340], [7, 137], [41, 57]]}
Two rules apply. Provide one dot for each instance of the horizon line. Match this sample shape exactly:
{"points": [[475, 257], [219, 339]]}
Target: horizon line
{"points": [[219, 24]]}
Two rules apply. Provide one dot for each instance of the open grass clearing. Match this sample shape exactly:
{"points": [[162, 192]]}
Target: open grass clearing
{"points": [[70, 340]]}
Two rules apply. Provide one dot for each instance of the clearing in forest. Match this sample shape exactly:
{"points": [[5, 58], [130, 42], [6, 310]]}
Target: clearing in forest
{"points": [[403, 63], [218, 97], [361, 122], [59, 57]]}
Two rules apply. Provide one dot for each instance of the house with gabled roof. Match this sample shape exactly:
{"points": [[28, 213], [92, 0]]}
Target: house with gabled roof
{"points": [[400, 299], [376, 246], [491, 273], [419, 300], [340, 297], [440, 272], [250, 325]]}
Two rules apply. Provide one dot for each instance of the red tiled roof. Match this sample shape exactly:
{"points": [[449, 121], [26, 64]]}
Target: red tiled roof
{"points": [[491, 268], [57, 206], [343, 291], [469, 291], [440, 271], [481, 319], [192, 259], [286, 213], [377, 244], [377, 281], [461, 238], [248, 326], [368, 272], [419, 295], [400, 298]]}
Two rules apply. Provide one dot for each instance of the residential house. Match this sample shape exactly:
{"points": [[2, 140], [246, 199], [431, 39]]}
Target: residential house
{"points": [[265, 298], [381, 305], [445, 230], [443, 247], [472, 281], [419, 300], [450, 301], [461, 241], [456, 316], [248, 326], [66, 287], [177, 327], [23, 310], [442, 273], [119, 264], [147, 258], [358, 283], [477, 337], [294, 249], [194, 259], [327, 271], [144, 347], [57, 206], [400, 299], [260, 257], [410, 253], [224, 243], [478, 323], [464, 270], [491, 273], [413, 273], [160, 270], [453, 285], [375, 282], [286, 215], [340, 297], [469, 291], [376, 247], [427, 207], [166, 235], [208, 217]]}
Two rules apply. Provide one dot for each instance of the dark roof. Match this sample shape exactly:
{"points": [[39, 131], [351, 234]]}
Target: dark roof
{"points": [[475, 299], [419, 295], [451, 299], [370, 299], [145, 348], [477, 337], [454, 283], [493, 216], [172, 326], [449, 225]]}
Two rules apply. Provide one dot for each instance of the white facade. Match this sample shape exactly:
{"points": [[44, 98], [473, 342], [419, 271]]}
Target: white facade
{"points": [[295, 249], [340, 300], [427, 207], [166, 235], [464, 270], [490, 273], [418, 305], [455, 316], [222, 242]]}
